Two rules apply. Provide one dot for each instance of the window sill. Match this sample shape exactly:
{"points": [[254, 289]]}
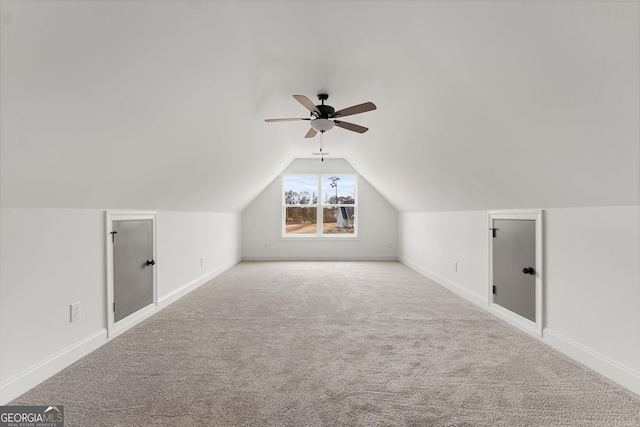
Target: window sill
{"points": [[318, 238]]}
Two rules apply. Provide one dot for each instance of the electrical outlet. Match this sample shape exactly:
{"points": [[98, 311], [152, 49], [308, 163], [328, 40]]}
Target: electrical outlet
{"points": [[390, 246], [75, 311], [266, 246]]}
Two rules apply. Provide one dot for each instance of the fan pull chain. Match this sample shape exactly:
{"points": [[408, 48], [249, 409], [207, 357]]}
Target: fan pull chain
{"points": [[321, 145]]}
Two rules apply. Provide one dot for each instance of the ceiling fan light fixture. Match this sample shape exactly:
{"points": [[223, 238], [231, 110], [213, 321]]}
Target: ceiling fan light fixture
{"points": [[321, 116], [322, 125]]}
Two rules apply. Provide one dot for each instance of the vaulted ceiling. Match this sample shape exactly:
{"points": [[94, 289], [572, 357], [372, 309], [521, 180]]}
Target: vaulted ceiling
{"points": [[161, 105]]}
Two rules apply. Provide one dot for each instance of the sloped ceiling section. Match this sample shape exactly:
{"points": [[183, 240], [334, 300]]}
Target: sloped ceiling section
{"points": [[161, 105]]}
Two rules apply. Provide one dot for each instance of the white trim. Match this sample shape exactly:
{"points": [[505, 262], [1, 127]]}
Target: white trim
{"points": [[601, 364], [345, 258], [21, 383], [176, 294], [132, 320], [116, 328], [515, 319], [296, 237], [456, 288]]}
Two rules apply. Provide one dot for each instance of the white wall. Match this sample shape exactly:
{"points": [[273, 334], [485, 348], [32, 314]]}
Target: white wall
{"points": [[592, 281], [377, 223], [432, 242], [185, 237], [592, 277], [50, 258]]}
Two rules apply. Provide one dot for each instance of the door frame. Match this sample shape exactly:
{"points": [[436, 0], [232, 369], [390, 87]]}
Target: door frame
{"points": [[116, 328], [534, 328]]}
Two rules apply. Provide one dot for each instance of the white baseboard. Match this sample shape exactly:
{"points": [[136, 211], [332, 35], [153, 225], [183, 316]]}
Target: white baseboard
{"points": [[454, 287], [132, 320], [20, 384], [319, 258], [24, 382], [516, 320], [593, 360], [581, 354], [175, 295]]}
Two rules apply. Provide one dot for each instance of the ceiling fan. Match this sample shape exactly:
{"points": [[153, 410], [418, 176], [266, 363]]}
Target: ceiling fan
{"points": [[323, 117]]}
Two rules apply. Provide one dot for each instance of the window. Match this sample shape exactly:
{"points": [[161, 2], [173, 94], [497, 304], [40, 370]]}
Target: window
{"points": [[319, 205]]}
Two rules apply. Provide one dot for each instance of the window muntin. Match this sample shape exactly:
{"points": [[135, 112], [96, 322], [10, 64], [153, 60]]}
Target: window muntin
{"points": [[305, 213]]}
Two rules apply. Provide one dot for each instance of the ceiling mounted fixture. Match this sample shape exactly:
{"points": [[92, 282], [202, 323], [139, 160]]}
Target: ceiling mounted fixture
{"points": [[323, 117], [322, 125]]}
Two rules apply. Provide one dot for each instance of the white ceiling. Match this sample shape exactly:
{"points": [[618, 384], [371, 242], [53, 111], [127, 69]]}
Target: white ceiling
{"points": [[161, 104]]}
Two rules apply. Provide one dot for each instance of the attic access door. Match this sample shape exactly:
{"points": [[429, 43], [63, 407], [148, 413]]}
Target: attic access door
{"points": [[516, 281], [132, 266], [131, 262]]}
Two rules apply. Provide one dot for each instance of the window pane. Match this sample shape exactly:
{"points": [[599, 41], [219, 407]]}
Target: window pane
{"points": [[338, 220], [300, 190], [339, 189], [300, 220]]}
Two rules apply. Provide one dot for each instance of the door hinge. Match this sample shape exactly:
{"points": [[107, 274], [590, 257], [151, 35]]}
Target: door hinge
{"points": [[114, 305], [493, 230], [113, 236], [493, 289]]}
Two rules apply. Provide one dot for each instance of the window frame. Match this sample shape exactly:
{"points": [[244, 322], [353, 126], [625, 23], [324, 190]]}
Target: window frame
{"points": [[319, 206]]}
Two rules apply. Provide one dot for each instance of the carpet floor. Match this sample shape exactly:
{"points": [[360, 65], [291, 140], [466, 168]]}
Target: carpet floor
{"points": [[330, 344]]}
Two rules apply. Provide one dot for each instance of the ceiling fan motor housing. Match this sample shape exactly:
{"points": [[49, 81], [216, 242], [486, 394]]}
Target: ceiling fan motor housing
{"points": [[326, 111]]}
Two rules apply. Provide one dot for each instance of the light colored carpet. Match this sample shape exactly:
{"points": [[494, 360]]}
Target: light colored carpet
{"points": [[330, 344]]}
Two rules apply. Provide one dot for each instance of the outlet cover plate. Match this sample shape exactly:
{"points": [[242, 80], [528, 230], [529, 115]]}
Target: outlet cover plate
{"points": [[75, 311]]}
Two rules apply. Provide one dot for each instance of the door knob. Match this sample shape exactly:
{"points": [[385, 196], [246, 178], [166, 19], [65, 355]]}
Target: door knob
{"points": [[151, 262], [528, 270]]}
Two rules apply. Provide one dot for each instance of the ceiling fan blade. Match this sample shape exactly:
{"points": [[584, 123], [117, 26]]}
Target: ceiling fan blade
{"points": [[351, 126], [312, 132], [283, 120], [356, 109], [307, 103]]}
